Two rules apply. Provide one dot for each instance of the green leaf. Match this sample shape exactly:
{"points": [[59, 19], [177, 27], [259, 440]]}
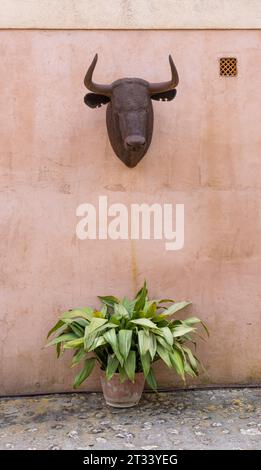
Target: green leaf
{"points": [[144, 322], [85, 372], [112, 366], [160, 318], [87, 310], [123, 375], [150, 308], [74, 343], [181, 330], [58, 350], [85, 313], [114, 319], [189, 370], [78, 330], [193, 320], [125, 337], [151, 380], [120, 311], [141, 298], [177, 362], [98, 314], [156, 331], [163, 343], [90, 340], [130, 365], [92, 330], [175, 308], [143, 341], [62, 338], [81, 321], [152, 345], [78, 357], [56, 327], [192, 360], [179, 346], [167, 335], [111, 338], [141, 289], [109, 300], [145, 361], [164, 355], [94, 324], [104, 310], [129, 305], [97, 342]]}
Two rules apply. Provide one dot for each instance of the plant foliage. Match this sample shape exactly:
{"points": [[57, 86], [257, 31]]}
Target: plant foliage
{"points": [[127, 336]]}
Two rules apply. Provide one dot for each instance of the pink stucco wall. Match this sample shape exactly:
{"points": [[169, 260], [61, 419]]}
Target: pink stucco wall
{"points": [[55, 155]]}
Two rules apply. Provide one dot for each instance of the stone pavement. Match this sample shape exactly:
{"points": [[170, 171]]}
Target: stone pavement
{"points": [[187, 419]]}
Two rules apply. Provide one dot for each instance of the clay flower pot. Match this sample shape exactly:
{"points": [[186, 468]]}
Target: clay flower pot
{"points": [[122, 395]]}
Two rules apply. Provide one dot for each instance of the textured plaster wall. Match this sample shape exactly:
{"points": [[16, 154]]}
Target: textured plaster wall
{"points": [[55, 155], [132, 14]]}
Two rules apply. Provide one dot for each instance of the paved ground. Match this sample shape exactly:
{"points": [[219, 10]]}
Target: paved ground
{"points": [[209, 419]]}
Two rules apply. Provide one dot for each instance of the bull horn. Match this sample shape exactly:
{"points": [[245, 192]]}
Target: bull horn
{"points": [[165, 86], [95, 87]]}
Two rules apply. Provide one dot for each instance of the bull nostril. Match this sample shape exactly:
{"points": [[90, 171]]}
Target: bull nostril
{"points": [[134, 142]]}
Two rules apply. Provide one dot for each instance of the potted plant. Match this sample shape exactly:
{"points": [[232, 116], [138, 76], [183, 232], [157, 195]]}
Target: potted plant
{"points": [[126, 337]]}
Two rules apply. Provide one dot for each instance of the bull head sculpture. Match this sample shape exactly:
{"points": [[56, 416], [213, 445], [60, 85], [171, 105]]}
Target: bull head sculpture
{"points": [[129, 115]]}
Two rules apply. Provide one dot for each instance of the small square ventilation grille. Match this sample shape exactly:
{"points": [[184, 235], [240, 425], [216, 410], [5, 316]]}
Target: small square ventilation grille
{"points": [[228, 67]]}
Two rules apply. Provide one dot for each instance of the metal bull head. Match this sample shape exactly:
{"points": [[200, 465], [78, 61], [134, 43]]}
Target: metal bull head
{"points": [[129, 115]]}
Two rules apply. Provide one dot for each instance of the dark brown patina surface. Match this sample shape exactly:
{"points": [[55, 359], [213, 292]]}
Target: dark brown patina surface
{"points": [[129, 115]]}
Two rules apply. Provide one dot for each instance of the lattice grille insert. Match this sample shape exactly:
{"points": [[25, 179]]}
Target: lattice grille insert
{"points": [[228, 67]]}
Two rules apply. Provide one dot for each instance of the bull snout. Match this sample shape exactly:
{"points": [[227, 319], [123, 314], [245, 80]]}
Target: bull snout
{"points": [[134, 142]]}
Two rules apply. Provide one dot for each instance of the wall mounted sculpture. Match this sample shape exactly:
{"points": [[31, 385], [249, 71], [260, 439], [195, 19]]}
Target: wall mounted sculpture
{"points": [[129, 115]]}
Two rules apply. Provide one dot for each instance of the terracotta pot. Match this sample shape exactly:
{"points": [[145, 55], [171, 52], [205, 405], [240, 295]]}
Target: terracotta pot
{"points": [[122, 395]]}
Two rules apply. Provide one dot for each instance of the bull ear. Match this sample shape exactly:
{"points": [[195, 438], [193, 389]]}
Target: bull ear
{"points": [[95, 101], [165, 95]]}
